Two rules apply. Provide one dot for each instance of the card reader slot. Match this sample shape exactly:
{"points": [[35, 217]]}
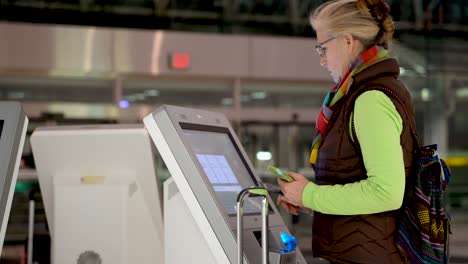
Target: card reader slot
{"points": [[273, 243]]}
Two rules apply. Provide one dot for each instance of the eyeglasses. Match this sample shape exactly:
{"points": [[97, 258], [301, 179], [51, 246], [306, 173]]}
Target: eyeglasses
{"points": [[321, 50]]}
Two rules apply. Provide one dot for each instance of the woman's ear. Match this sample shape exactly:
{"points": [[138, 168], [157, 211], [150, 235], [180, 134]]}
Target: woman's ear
{"points": [[352, 44], [349, 41], [353, 47]]}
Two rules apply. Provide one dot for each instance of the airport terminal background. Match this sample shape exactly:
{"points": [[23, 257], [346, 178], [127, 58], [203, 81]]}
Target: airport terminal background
{"points": [[102, 62]]}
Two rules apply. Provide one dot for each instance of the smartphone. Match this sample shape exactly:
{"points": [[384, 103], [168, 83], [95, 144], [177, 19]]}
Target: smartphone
{"points": [[281, 174]]}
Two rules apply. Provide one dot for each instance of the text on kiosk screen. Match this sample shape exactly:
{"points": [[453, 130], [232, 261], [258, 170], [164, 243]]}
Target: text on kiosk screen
{"points": [[224, 168]]}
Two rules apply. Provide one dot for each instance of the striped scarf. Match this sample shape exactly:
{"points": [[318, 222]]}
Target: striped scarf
{"points": [[367, 58]]}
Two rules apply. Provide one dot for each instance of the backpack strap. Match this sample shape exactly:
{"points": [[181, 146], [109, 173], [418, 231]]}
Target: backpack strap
{"points": [[390, 93]]}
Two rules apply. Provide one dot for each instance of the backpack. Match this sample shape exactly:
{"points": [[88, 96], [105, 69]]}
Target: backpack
{"points": [[423, 232], [424, 225]]}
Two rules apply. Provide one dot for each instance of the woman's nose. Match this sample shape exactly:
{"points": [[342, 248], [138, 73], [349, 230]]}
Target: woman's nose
{"points": [[323, 61]]}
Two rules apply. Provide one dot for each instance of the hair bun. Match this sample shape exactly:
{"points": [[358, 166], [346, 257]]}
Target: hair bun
{"points": [[380, 11]]}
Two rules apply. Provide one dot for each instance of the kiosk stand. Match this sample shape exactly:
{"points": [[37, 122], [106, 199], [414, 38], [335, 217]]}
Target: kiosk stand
{"points": [[209, 169], [187, 238]]}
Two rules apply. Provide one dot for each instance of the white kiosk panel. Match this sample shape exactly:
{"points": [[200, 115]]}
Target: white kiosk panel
{"points": [[101, 193], [209, 168]]}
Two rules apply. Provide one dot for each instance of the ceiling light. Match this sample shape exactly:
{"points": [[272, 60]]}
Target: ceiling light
{"points": [[263, 155], [152, 92], [226, 101], [258, 95], [124, 104], [425, 94]]}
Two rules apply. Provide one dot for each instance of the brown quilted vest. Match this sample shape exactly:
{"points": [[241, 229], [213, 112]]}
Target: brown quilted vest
{"points": [[358, 238]]}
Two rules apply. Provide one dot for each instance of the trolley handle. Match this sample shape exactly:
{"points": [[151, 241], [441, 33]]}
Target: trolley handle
{"points": [[252, 191]]}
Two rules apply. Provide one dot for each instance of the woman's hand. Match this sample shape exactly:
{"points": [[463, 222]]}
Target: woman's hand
{"points": [[287, 206], [291, 200]]}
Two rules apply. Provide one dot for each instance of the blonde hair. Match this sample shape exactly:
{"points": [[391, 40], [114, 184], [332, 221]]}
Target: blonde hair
{"points": [[366, 20]]}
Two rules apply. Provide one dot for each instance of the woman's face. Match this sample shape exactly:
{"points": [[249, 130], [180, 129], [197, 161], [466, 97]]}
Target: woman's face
{"points": [[335, 58]]}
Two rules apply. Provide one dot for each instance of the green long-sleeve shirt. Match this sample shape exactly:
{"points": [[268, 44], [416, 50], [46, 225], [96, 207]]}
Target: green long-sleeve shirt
{"points": [[378, 127]]}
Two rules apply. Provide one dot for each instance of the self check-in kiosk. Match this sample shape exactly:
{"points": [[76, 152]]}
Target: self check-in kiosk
{"points": [[13, 126], [209, 169], [101, 193]]}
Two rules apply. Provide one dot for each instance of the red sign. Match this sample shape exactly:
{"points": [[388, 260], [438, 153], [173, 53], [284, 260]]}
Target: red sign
{"points": [[179, 61]]}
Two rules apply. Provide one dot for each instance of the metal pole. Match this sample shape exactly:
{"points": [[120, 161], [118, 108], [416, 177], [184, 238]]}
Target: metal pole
{"points": [[265, 230], [30, 231], [117, 90], [236, 102], [240, 223]]}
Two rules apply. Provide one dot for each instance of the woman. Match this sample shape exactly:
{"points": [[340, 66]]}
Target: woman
{"points": [[362, 147]]}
